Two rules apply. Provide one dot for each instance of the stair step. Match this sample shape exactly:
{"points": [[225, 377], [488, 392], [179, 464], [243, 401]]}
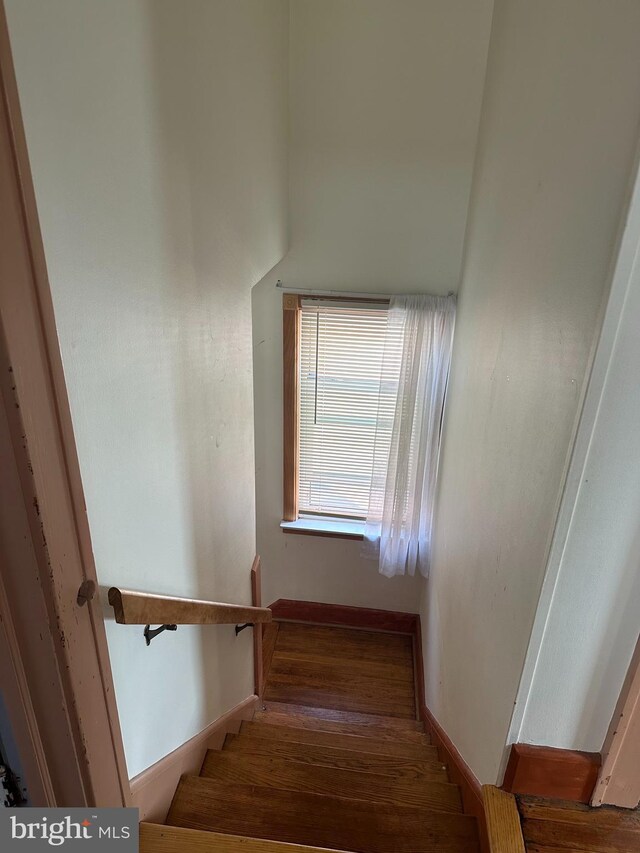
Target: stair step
{"points": [[342, 716], [365, 725], [356, 742], [277, 772], [413, 768], [549, 825], [320, 820], [298, 641], [155, 838]]}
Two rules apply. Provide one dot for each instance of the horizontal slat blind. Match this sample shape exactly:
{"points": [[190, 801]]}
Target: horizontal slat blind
{"points": [[341, 356]]}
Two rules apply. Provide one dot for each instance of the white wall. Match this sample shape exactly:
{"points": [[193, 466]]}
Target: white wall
{"points": [[157, 136], [589, 612], [557, 137], [384, 108]]}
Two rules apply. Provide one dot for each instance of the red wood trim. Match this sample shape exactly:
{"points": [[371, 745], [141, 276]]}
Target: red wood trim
{"points": [[459, 770], [340, 614], [290, 402], [418, 670], [460, 773], [256, 601], [560, 774]]}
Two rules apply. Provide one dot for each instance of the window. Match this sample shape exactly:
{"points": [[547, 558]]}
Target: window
{"points": [[333, 358]]}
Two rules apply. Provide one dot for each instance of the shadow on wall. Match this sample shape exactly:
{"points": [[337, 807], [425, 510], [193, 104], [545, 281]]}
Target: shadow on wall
{"points": [[214, 87], [220, 198]]}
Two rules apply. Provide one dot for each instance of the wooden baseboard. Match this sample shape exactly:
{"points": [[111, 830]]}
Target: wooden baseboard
{"points": [[340, 614], [459, 770], [460, 773], [557, 774], [153, 789]]}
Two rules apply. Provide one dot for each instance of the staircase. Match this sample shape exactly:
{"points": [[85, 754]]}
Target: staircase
{"points": [[294, 776], [322, 777]]}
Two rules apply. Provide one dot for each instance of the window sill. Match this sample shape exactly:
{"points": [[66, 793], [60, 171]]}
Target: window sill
{"points": [[334, 527]]}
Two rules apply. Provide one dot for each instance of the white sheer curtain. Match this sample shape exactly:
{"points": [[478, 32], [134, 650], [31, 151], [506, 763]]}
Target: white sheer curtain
{"points": [[415, 371]]}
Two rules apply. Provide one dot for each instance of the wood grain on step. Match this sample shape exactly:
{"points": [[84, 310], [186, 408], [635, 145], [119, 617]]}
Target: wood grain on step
{"points": [[277, 772], [367, 673], [321, 652], [344, 759], [357, 743], [155, 838], [331, 714], [575, 827], [314, 819], [343, 701], [343, 669], [307, 641], [535, 848], [363, 727]]}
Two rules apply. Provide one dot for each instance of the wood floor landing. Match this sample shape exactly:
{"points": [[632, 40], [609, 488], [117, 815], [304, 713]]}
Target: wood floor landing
{"points": [[343, 669], [556, 827]]}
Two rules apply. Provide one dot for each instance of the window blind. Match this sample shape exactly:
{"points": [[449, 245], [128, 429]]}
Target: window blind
{"points": [[341, 353]]}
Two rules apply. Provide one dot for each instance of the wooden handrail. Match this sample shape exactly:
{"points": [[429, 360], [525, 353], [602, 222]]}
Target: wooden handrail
{"points": [[143, 608]]}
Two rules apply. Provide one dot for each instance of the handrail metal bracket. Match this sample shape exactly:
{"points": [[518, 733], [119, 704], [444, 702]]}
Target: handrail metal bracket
{"points": [[242, 627], [150, 633]]}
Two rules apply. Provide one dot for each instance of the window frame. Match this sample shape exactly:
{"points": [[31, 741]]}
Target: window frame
{"points": [[291, 334]]}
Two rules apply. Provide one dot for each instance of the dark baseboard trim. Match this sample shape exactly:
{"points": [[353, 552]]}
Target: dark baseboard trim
{"points": [[340, 614], [460, 773], [459, 770], [556, 774]]}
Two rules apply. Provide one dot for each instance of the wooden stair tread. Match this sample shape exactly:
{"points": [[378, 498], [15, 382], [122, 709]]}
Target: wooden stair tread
{"points": [[318, 820], [579, 814], [402, 708], [297, 638], [345, 759], [361, 727], [337, 671], [357, 743], [572, 826], [277, 772], [332, 715], [156, 838], [535, 848], [344, 669]]}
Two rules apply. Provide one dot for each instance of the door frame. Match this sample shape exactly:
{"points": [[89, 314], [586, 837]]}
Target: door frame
{"points": [[65, 699], [618, 782]]}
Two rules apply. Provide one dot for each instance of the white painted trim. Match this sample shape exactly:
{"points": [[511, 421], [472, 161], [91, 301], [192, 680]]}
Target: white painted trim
{"points": [[625, 263], [152, 790], [348, 526], [618, 782]]}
